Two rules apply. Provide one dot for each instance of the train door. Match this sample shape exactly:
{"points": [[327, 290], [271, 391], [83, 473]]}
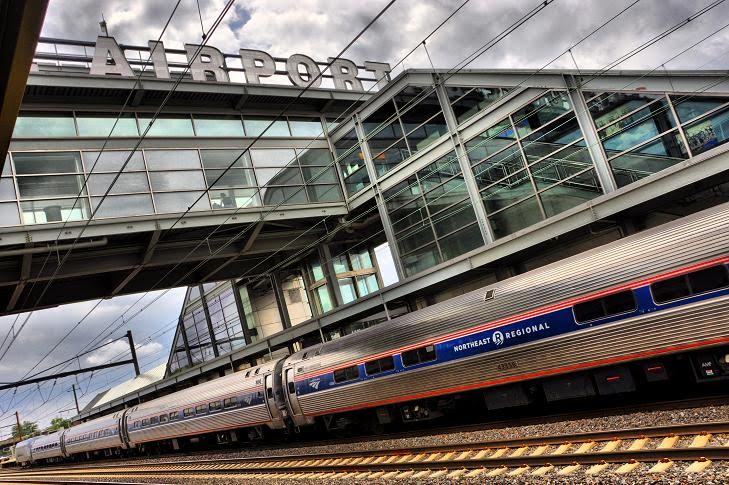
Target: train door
{"points": [[123, 430], [276, 416], [293, 400]]}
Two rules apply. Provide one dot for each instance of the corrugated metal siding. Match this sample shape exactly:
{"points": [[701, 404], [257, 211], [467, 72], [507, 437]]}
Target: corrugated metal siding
{"points": [[104, 422]]}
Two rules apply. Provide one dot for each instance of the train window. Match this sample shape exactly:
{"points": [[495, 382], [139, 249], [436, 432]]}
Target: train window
{"points": [[136, 424], [154, 420], [379, 365], [419, 355], [269, 392], [257, 371], [145, 422], [163, 418], [230, 402], [621, 302], [187, 412], [173, 415], [695, 283], [215, 406], [201, 409], [347, 374], [292, 388], [248, 374]]}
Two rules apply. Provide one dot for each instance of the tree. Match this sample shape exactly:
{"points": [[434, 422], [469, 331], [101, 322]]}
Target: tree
{"points": [[28, 429], [59, 423]]}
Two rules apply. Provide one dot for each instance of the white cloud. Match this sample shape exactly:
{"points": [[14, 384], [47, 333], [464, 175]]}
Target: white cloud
{"points": [[120, 349]]}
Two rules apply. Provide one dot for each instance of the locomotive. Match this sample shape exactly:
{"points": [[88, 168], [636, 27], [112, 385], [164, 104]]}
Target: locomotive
{"points": [[597, 323]]}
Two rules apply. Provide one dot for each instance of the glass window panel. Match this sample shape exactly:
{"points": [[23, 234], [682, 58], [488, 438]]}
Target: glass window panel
{"points": [[224, 159], [180, 201], [648, 159], [9, 214], [541, 111], [608, 107], [179, 180], [366, 284], [325, 300], [656, 109], [341, 264], [235, 177], [319, 175], [414, 238], [688, 109], [172, 159], [461, 242], [409, 214], [101, 124], [457, 216], [570, 193], [638, 132], [504, 163], [232, 198], [6, 166], [405, 191], [50, 186], [361, 259], [466, 102], [113, 161], [515, 218], [282, 157], [422, 259], [411, 95], [385, 115], [166, 125], [44, 125], [332, 123], [560, 166], [551, 138], [126, 183], [345, 143], [218, 125], [123, 205], [256, 127], [385, 160], [346, 287], [324, 193], [306, 127], [7, 189], [58, 210], [491, 141], [507, 191], [315, 156], [284, 195], [709, 132], [357, 181], [316, 271], [278, 176], [47, 162], [446, 194], [426, 134]]}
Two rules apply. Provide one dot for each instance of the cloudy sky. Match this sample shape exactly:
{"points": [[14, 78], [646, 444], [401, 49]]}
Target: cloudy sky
{"points": [[321, 28]]}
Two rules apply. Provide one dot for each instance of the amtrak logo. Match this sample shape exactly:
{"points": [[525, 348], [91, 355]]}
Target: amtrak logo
{"points": [[497, 337], [248, 399], [314, 384]]}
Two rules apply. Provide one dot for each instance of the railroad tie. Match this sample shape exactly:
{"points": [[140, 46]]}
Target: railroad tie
{"points": [[597, 468], [543, 470], [662, 465], [562, 449], [585, 447], [638, 444], [519, 451], [668, 442], [495, 472], [518, 471], [700, 440], [611, 445], [539, 450], [569, 469], [698, 466], [627, 467]]}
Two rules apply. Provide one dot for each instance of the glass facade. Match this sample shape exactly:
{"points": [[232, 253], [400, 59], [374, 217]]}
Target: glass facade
{"points": [[532, 165], [644, 133], [50, 185], [69, 124], [210, 325], [432, 216]]}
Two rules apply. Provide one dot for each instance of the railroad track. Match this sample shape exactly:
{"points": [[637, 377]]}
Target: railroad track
{"points": [[691, 448]]}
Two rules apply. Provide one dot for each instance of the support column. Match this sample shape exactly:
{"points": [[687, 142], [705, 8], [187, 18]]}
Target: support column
{"points": [[463, 161], [327, 266], [582, 112], [211, 331], [280, 301], [242, 314], [379, 199]]}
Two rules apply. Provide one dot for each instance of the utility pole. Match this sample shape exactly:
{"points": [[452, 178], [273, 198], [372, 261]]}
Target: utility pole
{"points": [[133, 351], [73, 388], [20, 430]]}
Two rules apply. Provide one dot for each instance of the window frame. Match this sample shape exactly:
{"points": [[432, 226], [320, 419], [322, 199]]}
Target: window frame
{"points": [[390, 358], [417, 352], [685, 276], [602, 304], [347, 376]]}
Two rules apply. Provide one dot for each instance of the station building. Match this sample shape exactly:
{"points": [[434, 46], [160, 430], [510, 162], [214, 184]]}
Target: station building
{"points": [[363, 202]]}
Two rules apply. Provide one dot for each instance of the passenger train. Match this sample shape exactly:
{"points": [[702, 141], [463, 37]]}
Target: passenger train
{"points": [[602, 322]]}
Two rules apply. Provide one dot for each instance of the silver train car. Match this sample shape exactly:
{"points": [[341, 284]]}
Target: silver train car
{"points": [[659, 292], [578, 327]]}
